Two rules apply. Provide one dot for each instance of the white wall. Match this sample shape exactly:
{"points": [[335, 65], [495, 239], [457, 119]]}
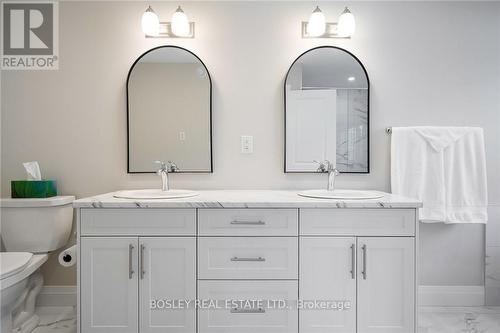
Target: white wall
{"points": [[429, 63]]}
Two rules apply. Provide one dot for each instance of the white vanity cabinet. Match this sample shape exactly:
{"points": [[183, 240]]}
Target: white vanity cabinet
{"points": [[328, 272], [167, 270], [248, 254], [124, 281], [359, 256], [108, 284], [375, 273], [386, 284]]}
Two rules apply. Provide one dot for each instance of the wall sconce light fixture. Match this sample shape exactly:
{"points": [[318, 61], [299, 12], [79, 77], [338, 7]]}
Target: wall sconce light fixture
{"points": [[317, 27], [150, 22], [179, 27]]}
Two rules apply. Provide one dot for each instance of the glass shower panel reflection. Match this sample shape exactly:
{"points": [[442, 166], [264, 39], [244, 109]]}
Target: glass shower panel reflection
{"points": [[352, 130]]}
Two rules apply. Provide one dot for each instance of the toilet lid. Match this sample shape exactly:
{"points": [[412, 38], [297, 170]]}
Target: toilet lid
{"points": [[13, 262]]}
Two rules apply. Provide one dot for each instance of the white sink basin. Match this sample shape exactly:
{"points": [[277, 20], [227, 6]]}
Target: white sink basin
{"points": [[341, 194], [154, 194]]}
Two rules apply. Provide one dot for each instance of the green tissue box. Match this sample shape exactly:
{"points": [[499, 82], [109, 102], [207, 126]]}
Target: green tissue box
{"points": [[33, 188]]}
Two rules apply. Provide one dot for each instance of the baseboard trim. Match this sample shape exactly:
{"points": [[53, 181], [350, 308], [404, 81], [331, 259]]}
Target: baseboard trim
{"points": [[451, 295], [57, 296]]}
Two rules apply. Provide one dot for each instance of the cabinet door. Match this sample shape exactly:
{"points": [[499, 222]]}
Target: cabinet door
{"points": [[108, 285], [167, 273], [327, 272], [386, 285]]}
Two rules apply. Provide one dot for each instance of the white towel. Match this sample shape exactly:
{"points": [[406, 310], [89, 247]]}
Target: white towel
{"points": [[445, 168]]}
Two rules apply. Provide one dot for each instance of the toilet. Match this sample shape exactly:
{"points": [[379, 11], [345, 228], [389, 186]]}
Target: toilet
{"points": [[30, 229]]}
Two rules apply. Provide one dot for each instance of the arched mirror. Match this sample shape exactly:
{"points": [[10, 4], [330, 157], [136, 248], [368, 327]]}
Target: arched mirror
{"points": [[169, 111], [326, 111]]}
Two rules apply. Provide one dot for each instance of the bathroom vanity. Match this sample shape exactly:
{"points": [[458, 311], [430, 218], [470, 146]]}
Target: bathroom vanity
{"points": [[136, 255]]}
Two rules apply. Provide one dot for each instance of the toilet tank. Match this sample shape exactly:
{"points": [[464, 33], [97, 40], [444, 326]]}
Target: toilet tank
{"points": [[36, 225]]}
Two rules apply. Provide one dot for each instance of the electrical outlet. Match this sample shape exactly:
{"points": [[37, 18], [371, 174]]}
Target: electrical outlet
{"points": [[246, 144]]}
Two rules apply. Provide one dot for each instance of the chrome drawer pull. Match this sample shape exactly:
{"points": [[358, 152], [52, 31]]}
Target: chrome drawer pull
{"points": [[237, 310], [363, 272], [353, 261], [143, 271], [248, 222], [130, 269], [248, 259]]}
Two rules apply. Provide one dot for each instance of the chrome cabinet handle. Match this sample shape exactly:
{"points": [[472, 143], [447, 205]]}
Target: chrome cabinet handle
{"points": [[130, 268], [363, 272], [238, 310], [143, 271], [248, 222], [248, 259], [353, 261]]}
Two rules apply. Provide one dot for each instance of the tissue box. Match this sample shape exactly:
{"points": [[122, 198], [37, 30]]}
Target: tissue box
{"points": [[33, 188]]}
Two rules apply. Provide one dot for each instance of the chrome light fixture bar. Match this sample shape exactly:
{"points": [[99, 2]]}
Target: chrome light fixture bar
{"points": [[317, 27], [179, 27], [330, 31], [165, 31]]}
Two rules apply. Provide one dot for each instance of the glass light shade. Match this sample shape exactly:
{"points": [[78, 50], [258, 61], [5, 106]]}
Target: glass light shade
{"points": [[347, 24], [317, 23], [150, 23], [180, 23]]}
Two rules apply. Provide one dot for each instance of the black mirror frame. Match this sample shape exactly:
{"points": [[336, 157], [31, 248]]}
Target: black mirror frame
{"points": [[128, 107], [367, 109]]}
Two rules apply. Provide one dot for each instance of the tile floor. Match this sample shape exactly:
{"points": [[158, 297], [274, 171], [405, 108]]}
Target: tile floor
{"points": [[56, 319], [431, 320], [459, 320]]}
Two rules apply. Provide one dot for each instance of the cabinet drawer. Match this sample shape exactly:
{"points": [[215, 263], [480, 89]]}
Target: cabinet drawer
{"points": [[248, 258], [260, 318], [247, 222], [137, 222], [357, 222]]}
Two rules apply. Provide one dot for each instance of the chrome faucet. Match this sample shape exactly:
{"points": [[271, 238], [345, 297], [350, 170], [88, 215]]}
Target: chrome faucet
{"points": [[327, 166], [163, 172]]}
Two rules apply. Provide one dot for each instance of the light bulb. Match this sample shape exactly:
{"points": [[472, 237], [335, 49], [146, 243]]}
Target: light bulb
{"points": [[347, 25], [150, 22], [317, 23], [180, 23]]}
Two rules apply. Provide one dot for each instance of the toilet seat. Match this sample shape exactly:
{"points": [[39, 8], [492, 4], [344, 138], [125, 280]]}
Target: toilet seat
{"points": [[13, 262], [16, 266]]}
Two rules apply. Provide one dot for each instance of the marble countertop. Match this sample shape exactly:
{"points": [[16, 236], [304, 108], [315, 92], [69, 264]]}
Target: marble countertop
{"points": [[246, 199]]}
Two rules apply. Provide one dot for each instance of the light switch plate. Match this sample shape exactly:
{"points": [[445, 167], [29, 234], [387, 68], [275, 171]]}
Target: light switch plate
{"points": [[246, 144]]}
